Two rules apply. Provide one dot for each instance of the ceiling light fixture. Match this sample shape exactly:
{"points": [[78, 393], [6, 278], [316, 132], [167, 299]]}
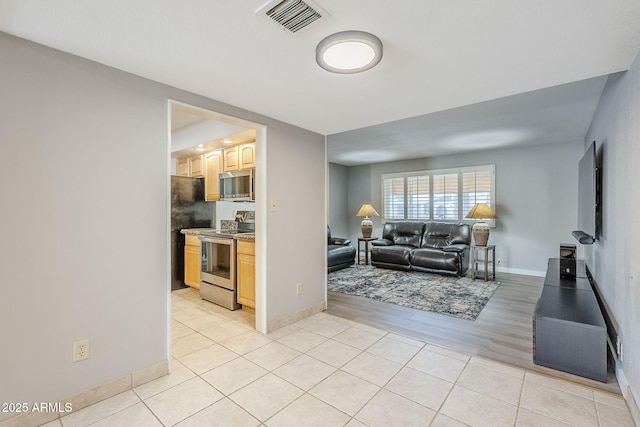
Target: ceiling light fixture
{"points": [[349, 52]]}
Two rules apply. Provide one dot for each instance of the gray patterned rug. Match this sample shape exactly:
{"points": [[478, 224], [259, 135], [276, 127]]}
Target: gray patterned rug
{"points": [[458, 297]]}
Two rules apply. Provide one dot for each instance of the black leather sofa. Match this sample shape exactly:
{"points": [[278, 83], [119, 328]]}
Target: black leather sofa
{"points": [[435, 247], [340, 253]]}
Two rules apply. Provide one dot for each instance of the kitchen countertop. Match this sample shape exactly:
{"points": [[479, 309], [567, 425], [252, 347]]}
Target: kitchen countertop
{"points": [[247, 237], [194, 231]]}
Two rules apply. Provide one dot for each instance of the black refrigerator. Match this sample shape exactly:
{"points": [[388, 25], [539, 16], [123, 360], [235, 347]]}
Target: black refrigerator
{"points": [[188, 210]]}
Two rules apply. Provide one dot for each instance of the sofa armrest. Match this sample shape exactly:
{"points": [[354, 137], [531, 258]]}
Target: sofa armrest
{"points": [[382, 242], [459, 247], [339, 241]]}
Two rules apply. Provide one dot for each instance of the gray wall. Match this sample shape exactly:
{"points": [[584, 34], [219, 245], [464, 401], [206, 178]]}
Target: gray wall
{"points": [[338, 200], [614, 259], [536, 197], [84, 169]]}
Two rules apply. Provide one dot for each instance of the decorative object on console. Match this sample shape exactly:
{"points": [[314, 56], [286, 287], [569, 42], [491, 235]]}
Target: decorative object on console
{"points": [[480, 229], [366, 225], [567, 261]]}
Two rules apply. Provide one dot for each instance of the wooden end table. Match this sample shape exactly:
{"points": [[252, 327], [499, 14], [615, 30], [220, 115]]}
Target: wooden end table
{"points": [[366, 241], [486, 260]]}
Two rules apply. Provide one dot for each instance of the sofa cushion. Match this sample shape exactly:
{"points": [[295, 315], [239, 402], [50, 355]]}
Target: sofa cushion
{"points": [[460, 234], [436, 235], [406, 233], [434, 259], [441, 234], [391, 254]]}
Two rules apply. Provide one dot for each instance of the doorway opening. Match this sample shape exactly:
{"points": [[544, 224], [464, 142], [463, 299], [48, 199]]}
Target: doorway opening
{"points": [[195, 134]]}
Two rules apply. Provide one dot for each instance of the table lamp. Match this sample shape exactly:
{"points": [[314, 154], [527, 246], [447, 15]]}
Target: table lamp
{"points": [[480, 229], [366, 225]]}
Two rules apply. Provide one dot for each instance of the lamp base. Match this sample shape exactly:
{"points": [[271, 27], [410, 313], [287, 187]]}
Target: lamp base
{"points": [[480, 232], [367, 227]]}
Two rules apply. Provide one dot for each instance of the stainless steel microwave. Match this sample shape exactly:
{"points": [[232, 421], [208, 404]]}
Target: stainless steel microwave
{"points": [[237, 186]]}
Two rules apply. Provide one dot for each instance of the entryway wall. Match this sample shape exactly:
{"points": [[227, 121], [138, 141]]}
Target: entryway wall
{"points": [[92, 205]]}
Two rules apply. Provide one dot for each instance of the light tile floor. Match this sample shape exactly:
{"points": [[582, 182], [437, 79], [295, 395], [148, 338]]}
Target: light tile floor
{"points": [[327, 371]]}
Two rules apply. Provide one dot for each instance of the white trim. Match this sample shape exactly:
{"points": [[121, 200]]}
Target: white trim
{"points": [[627, 394], [523, 272]]}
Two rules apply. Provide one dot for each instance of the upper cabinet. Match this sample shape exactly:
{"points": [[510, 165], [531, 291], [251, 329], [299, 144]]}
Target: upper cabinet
{"points": [[210, 164], [191, 166], [231, 159], [240, 157], [213, 167], [183, 167], [196, 166], [247, 155]]}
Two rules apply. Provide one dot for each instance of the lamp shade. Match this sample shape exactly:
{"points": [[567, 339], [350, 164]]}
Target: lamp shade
{"points": [[481, 211], [366, 225], [481, 229], [367, 210]]}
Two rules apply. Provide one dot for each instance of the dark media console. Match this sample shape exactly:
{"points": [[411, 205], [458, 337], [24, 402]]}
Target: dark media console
{"points": [[569, 332]]}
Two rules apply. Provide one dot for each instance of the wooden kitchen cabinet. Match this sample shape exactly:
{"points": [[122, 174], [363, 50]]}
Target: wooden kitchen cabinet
{"points": [[246, 274], [213, 167], [182, 168], [191, 166], [231, 159], [247, 156], [192, 263], [196, 166], [240, 157]]}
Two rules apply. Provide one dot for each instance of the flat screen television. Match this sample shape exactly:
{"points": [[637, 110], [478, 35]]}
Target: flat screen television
{"points": [[588, 195]]}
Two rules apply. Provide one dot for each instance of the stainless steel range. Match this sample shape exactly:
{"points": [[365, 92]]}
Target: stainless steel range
{"points": [[218, 274]]}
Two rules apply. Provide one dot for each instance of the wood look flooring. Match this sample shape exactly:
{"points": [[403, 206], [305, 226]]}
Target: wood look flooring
{"points": [[502, 331]]}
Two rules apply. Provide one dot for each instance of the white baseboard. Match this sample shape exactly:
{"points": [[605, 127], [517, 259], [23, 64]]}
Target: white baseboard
{"points": [[535, 273], [302, 314], [628, 395], [90, 396]]}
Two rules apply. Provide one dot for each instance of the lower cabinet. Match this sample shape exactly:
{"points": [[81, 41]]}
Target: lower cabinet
{"points": [[246, 274], [192, 262]]}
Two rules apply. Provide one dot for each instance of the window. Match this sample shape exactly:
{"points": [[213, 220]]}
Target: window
{"points": [[394, 198], [442, 195]]}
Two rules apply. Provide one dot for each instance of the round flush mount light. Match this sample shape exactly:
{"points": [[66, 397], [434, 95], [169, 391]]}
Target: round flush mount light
{"points": [[349, 52]]}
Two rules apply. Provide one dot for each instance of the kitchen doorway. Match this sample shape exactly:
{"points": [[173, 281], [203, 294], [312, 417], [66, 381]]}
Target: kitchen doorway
{"points": [[194, 131]]}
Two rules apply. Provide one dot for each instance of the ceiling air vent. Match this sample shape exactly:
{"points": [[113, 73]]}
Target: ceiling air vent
{"points": [[292, 15]]}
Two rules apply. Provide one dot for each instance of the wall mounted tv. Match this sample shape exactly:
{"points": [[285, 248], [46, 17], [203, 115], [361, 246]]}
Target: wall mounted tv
{"points": [[588, 197]]}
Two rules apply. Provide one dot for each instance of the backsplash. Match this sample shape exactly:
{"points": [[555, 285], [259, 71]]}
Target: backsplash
{"points": [[228, 225]]}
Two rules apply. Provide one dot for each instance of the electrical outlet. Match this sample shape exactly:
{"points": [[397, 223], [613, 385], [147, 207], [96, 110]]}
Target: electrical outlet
{"points": [[299, 289], [274, 206], [80, 350], [499, 261]]}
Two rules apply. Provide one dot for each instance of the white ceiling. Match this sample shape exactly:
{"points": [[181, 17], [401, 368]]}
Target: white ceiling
{"points": [[438, 55], [552, 115]]}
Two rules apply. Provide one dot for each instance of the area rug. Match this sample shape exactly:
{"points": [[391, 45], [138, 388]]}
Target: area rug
{"points": [[459, 297]]}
